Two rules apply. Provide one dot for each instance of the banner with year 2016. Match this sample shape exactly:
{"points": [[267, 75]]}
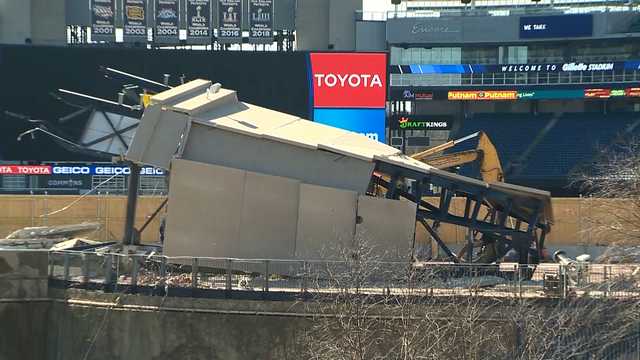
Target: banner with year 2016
{"points": [[230, 21]]}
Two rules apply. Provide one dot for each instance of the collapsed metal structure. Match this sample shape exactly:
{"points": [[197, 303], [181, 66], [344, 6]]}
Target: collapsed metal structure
{"points": [[201, 129]]}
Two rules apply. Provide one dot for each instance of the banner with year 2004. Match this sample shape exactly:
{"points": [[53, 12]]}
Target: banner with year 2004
{"points": [[261, 21], [167, 21], [199, 21], [230, 21], [103, 26], [135, 21]]}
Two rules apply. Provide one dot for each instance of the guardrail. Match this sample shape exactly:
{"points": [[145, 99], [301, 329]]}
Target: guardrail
{"points": [[166, 275]]}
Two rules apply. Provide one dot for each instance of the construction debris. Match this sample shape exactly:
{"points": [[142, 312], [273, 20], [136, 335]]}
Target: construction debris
{"points": [[620, 254], [46, 237], [55, 231]]}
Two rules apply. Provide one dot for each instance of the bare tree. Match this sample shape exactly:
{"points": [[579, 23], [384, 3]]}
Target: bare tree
{"points": [[365, 308], [612, 184]]}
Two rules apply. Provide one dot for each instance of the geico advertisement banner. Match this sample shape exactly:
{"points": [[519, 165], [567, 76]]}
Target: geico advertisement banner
{"points": [[135, 20], [103, 26], [368, 122], [167, 21], [349, 80], [74, 170]]}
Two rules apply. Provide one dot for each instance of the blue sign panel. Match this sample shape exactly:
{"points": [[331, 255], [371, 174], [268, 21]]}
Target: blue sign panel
{"points": [[560, 26], [368, 122]]}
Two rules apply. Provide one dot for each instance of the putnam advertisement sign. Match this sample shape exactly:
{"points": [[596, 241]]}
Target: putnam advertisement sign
{"points": [[483, 95]]}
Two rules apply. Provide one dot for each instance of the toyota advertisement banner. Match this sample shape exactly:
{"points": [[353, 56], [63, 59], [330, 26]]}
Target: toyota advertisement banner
{"points": [[103, 26], [199, 21], [134, 20], [230, 21], [261, 21], [349, 91], [349, 80], [167, 28]]}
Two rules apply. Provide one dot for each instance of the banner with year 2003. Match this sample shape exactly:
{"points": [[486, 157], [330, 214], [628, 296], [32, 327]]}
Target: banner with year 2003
{"points": [[199, 21], [167, 21], [135, 21], [230, 21], [103, 26]]}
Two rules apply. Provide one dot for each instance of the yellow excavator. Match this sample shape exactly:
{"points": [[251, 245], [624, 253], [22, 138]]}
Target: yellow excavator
{"points": [[485, 154]]}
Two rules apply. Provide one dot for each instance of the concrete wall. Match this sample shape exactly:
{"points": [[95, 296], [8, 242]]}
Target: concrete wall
{"points": [[18, 211], [326, 24], [48, 23], [15, 21], [370, 36], [478, 29], [42, 21], [571, 217]]}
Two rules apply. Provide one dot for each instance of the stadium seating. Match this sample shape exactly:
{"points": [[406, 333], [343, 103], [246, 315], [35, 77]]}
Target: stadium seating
{"points": [[527, 151]]}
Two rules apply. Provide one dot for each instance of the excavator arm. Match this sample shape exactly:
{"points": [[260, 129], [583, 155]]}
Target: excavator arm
{"points": [[485, 154]]}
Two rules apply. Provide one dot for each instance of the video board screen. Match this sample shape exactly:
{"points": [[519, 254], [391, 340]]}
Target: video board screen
{"points": [[559, 26]]}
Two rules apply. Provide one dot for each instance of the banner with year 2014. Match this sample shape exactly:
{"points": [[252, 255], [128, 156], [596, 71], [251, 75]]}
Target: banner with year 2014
{"points": [[103, 26], [230, 21], [199, 21], [135, 21], [167, 21], [261, 21]]}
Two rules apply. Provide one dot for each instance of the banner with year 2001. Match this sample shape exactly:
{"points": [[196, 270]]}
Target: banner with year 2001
{"points": [[103, 26], [199, 21], [230, 21]]}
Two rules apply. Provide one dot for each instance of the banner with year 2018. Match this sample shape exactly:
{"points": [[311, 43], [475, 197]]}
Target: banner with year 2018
{"points": [[167, 21], [103, 26], [230, 21], [199, 21], [261, 21], [134, 21]]}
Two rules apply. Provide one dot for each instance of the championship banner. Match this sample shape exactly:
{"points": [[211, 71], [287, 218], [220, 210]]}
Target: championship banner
{"points": [[135, 20], [261, 21], [167, 22], [103, 26], [230, 21], [199, 21]]}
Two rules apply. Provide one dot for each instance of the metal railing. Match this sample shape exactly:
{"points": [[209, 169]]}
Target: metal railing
{"points": [[167, 275], [500, 79]]}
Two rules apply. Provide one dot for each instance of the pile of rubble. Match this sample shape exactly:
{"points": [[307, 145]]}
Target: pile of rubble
{"points": [[620, 254], [47, 237]]}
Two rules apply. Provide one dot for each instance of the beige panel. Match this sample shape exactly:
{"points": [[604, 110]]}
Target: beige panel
{"points": [[387, 226], [203, 210], [181, 92], [157, 138], [269, 218], [326, 221]]}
